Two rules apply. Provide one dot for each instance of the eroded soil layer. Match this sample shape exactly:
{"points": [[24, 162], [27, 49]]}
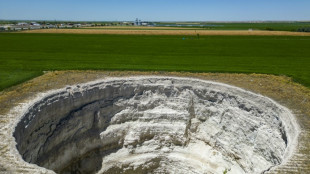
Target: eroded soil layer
{"points": [[155, 124]]}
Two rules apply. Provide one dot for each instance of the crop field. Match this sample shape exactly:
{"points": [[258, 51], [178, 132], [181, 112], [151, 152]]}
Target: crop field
{"points": [[272, 26], [26, 55]]}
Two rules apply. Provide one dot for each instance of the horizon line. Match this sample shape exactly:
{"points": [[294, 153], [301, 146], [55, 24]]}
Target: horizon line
{"points": [[218, 21]]}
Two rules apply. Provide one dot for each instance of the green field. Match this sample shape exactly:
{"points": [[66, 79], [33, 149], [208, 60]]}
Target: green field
{"points": [[272, 26], [24, 56]]}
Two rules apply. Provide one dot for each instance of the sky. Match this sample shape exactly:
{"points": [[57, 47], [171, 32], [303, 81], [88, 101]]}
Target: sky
{"points": [[156, 10]]}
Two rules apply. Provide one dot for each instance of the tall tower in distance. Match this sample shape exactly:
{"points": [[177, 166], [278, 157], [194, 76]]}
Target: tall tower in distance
{"points": [[137, 22]]}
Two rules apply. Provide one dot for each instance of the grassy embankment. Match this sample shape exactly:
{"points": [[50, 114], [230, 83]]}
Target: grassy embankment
{"points": [[24, 56]]}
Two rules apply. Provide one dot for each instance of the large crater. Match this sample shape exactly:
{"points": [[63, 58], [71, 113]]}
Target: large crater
{"points": [[155, 125]]}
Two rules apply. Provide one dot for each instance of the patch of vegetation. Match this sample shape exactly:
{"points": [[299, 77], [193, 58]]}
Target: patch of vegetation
{"points": [[304, 29], [274, 26], [24, 56]]}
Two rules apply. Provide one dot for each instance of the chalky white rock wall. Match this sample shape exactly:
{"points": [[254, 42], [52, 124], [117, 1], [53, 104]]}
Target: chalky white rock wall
{"points": [[157, 125]]}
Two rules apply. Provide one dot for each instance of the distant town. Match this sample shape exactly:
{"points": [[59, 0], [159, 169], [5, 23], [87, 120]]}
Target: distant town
{"points": [[34, 25]]}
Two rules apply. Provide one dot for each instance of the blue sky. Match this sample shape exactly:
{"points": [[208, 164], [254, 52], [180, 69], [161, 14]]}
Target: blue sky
{"points": [[155, 10]]}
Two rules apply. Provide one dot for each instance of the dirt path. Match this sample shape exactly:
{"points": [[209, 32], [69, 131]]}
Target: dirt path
{"points": [[171, 32]]}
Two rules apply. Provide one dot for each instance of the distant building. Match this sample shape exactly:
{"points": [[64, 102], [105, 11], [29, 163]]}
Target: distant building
{"points": [[7, 27], [34, 24], [77, 25], [22, 23], [138, 22], [128, 23]]}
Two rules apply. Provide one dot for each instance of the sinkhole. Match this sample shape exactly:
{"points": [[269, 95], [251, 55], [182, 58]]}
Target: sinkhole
{"points": [[155, 125]]}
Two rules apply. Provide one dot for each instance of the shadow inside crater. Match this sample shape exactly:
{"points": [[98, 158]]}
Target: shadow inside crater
{"points": [[90, 162]]}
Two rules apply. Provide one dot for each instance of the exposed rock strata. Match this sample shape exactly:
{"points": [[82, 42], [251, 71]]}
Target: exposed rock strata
{"points": [[157, 125]]}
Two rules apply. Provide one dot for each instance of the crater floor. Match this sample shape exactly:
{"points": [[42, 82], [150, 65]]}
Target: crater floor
{"points": [[155, 125]]}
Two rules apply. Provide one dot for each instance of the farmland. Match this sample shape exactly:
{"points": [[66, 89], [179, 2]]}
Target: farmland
{"points": [[26, 55], [272, 26]]}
